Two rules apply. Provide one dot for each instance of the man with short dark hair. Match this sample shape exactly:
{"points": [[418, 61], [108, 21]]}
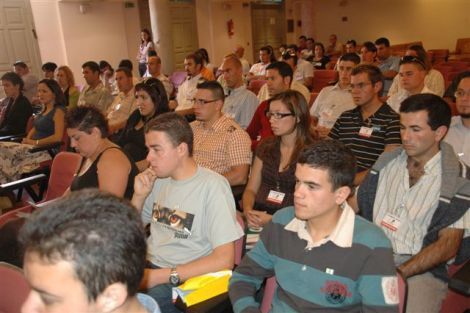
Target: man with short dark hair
{"points": [[190, 209], [258, 70], [350, 46], [85, 253], [220, 144], [335, 47], [418, 195], [334, 100], [372, 127], [94, 93], [388, 63], [458, 135], [48, 69], [124, 102], [29, 79], [154, 68], [15, 109], [306, 246], [240, 103]]}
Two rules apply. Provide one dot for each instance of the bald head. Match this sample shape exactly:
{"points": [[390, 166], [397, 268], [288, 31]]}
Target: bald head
{"points": [[154, 65], [239, 51], [233, 71]]}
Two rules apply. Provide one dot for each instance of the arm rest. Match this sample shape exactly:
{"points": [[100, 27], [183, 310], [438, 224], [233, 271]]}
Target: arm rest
{"points": [[16, 138], [23, 182], [48, 147]]}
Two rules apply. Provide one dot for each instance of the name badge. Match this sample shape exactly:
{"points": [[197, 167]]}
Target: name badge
{"points": [[275, 196], [365, 131], [390, 221]]}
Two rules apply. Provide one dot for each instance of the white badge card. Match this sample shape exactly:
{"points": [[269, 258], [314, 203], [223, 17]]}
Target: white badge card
{"points": [[275, 196], [391, 222], [365, 131]]}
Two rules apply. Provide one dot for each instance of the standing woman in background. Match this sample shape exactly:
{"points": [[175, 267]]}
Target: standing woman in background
{"points": [[146, 44], [67, 84]]}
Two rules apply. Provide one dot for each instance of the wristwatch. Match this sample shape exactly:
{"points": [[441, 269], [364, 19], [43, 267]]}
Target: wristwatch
{"points": [[174, 277]]}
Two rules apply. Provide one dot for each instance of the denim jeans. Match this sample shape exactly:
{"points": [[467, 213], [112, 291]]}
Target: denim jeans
{"points": [[162, 294]]}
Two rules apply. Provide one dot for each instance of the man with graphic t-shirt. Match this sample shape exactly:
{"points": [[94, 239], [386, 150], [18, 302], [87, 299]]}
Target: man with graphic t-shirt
{"points": [[190, 209]]}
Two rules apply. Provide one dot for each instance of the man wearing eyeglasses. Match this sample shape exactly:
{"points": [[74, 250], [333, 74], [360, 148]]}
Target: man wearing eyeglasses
{"points": [[372, 127], [220, 144], [459, 132], [412, 74]]}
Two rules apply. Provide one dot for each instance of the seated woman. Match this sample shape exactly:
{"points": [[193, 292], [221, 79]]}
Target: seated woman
{"points": [[104, 165], [272, 180], [67, 83], [151, 100], [48, 127], [320, 60]]}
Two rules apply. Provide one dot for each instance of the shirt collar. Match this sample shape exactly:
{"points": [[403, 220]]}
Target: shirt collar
{"points": [[342, 234]]}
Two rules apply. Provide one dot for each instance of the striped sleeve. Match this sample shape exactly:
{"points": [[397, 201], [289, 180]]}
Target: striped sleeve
{"points": [[334, 132], [248, 276]]}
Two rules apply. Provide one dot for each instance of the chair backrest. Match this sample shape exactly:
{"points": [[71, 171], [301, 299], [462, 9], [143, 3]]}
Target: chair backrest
{"points": [[402, 293], [255, 85], [268, 295], [63, 168], [14, 288], [240, 243], [323, 78]]}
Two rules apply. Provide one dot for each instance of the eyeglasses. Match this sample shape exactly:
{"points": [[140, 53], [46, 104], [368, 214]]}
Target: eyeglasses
{"points": [[277, 115], [411, 59], [461, 93], [202, 101]]}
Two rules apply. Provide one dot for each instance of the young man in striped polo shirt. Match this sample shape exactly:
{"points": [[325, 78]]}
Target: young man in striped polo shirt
{"points": [[325, 258], [372, 127]]}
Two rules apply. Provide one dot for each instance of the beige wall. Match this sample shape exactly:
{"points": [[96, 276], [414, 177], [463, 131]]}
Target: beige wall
{"points": [[212, 20], [437, 23], [106, 31]]}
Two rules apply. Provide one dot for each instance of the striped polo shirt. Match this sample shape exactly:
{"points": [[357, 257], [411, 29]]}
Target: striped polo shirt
{"points": [[385, 126]]}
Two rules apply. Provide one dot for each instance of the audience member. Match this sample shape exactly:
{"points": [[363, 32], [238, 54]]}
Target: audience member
{"points": [[239, 52], [124, 102], [15, 109], [332, 101], [48, 127], [272, 181], [85, 253], [107, 77], [154, 66], [350, 46], [48, 70], [302, 42], [412, 73], [67, 84], [126, 63], [146, 45], [186, 91], [190, 210], [335, 47], [324, 257], [433, 80], [104, 165], [427, 212], [94, 93], [282, 50], [307, 54], [151, 101], [372, 127], [458, 135], [303, 70], [386, 62], [320, 60], [240, 103], [207, 70], [258, 70], [368, 53], [220, 144], [29, 79]]}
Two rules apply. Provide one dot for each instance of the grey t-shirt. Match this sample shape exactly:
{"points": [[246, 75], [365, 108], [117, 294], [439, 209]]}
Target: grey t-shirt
{"points": [[189, 218]]}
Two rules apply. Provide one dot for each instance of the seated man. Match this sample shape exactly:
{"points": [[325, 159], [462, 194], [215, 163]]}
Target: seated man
{"points": [[220, 144], [458, 135], [94, 93], [190, 209], [258, 70], [124, 103], [386, 62], [306, 246], [412, 73], [334, 47], [427, 212], [49, 69], [334, 100], [30, 81], [240, 103], [372, 127], [154, 66], [85, 253], [183, 104], [15, 109]]}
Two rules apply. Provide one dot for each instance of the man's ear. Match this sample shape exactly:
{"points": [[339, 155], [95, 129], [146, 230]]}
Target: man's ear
{"points": [[341, 194], [112, 297], [441, 131]]}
